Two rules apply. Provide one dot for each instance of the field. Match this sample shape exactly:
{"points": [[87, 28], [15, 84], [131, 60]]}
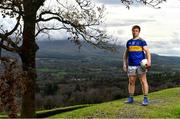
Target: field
{"points": [[163, 103]]}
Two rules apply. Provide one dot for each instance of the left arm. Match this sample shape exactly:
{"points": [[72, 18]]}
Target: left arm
{"points": [[148, 55]]}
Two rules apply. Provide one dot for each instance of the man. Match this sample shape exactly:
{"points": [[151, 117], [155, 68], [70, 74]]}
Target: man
{"points": [[136, 50]]}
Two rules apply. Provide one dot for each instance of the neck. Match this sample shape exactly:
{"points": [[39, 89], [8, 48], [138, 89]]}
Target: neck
{"points": [[135, 37]]}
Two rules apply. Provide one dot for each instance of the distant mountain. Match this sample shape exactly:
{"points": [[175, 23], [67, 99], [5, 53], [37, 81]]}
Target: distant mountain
{"points": [[65, 48]]}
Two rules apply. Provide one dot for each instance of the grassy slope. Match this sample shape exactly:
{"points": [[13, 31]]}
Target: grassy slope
{"points": [[165, 103], [44, 113]]}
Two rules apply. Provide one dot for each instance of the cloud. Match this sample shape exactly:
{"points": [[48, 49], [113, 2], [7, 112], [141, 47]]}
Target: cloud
{"points": [[109, 1], [160, 27], [128, 22]]}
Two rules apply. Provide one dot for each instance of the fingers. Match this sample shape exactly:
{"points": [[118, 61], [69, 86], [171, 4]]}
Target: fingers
{"points": [[148, 67], [125, 68]]}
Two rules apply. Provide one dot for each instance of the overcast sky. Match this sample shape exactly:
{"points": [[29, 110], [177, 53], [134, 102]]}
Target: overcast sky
{"points": [[160, 27]]}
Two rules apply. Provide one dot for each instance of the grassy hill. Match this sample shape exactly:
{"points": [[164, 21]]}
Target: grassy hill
{"points": [[165, 103]]}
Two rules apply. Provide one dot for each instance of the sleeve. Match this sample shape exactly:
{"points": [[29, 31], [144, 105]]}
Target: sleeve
{"points": [[144, 43], [127, 44]]}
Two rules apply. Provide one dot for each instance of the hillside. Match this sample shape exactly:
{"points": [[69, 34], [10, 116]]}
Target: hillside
{"points": [[65, 49], [163, 103], [67, 76]]}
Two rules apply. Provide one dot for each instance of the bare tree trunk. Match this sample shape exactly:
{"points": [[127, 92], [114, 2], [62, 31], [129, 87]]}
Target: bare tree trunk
{"points": [[28, 57], [28, 98]]}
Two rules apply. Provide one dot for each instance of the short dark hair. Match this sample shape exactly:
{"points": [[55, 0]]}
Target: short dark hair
{"points": [[136, 27]]}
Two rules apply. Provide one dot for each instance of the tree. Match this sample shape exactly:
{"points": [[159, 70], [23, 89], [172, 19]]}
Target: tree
{"points": [[152, 3], [80, 19], [11, 84]]}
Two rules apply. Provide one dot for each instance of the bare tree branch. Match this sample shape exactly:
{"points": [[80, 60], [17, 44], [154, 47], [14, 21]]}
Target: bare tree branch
{"points": [[8, 44], [152, 3], [11, 7], [80, 21], [8, 48], [41, 30], [15, 27], [5, 37], [38, 3]]}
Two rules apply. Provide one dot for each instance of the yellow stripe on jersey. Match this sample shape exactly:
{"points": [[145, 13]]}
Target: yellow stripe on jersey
{"points": [[135, 48]]}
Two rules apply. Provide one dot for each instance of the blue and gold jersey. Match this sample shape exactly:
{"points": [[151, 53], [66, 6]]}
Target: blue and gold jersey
{"points": [[135, 51]]}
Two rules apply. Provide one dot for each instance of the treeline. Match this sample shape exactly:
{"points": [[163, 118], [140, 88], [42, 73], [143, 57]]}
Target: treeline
{"points": [[75, 89]]}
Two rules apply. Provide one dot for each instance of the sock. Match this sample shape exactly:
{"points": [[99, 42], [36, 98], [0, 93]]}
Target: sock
{"points": [[145, 95], [131, 94]]}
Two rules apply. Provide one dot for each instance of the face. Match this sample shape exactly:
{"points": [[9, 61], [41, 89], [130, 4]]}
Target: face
{"points": [[135, 32]]}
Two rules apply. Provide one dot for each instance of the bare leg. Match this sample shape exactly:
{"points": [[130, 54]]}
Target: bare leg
{"points": [[131, 85], [144, 83]]}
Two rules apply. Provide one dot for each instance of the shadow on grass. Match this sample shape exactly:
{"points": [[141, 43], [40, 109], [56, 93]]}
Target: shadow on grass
{"points": [[47, 113]]}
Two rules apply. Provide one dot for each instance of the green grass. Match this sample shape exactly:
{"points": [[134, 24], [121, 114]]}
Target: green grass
{"points": [[45, 113], [165, 103]]}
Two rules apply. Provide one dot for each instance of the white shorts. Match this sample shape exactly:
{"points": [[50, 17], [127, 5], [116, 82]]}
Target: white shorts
{"points": [[135, 70]]}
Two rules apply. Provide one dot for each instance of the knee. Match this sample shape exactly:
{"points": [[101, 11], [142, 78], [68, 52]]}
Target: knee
{"points": [[131, 82], [144, 82]]}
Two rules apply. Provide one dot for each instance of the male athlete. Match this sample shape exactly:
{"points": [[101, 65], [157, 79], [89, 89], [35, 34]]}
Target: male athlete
{"points": [[136, 50]]}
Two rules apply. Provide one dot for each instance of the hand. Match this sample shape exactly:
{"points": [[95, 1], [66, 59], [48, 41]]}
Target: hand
{"points": [[125, 68], [148, 65]]}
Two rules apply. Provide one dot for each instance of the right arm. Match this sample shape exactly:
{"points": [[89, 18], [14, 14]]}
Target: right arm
{"points": [[125, 60]]}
